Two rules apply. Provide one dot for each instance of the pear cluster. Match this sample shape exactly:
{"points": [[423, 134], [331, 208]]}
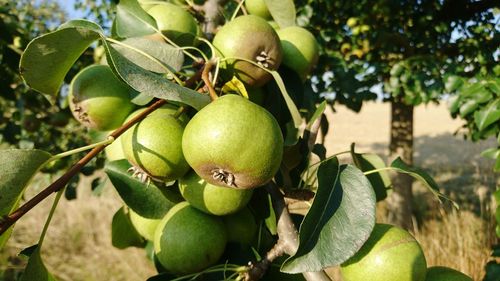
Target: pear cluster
{"points": [[209, 164]]}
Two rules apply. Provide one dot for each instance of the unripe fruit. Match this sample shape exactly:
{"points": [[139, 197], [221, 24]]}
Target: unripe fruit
{"points": [[175, 23], [241, 227], [114, 151], [144, 226], [390, 254], [154, 146], [441, 273], [233, 142], [258, 8], [252, 38], [300, 49], [98, 99], [188, 240], [212, 199]]}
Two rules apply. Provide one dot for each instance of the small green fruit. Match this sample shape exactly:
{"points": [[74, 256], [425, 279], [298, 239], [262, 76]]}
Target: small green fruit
{"points": [[155, 146], [300, 49], [212, 199], [98, 99], [233, 142], [175, 23], [241, 227], [441, 273], [252, 38], [258, 8], [188, 240], [390, 254], [144, 226]]}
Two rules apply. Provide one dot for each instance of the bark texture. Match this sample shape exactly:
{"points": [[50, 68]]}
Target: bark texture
{"points": [[399, 203]]}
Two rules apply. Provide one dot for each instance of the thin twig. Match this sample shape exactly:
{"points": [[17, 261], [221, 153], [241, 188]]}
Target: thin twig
{"points": [[206, 79], [61, 182]]}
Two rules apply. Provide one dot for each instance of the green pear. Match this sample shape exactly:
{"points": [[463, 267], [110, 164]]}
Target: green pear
{"points": [[188, 240], [390, 254], [251, 38], [213, 199], [98, 99], [233, 142]]}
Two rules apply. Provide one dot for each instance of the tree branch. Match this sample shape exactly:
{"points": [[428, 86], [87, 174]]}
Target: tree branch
{"points": [[288, 240]]}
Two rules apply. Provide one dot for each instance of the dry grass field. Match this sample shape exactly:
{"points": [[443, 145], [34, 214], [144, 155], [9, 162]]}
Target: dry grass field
{"points": [[78, 244]]}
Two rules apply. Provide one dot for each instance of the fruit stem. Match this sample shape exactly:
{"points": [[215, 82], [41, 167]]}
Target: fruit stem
{"points": [[240, 6], [49, 218], [195, 49], [378, 170], [206, 79], [109, 140]]}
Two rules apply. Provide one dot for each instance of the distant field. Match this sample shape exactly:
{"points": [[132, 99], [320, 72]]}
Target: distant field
{"points": [[78, 246]]}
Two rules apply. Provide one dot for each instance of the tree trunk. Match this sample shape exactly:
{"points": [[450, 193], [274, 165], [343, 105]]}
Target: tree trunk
{"points": [[399, 203]]}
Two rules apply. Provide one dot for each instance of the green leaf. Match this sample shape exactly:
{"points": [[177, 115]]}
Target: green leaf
{"points": [[494, 86], [492, 271], [420, 175], [132, 20], [123, 233], [297, 120], [468, 107], [168, 58], [380, 181], [270, 221], [283, 12], [339, 221], [152, 84], [452, 83], [35, 269], [48, 58], [488, 115], [5, 237], [316, 115], [147, 200], [17, 168], [491, 153]]}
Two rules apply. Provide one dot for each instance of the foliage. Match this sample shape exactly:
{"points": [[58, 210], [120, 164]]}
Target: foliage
{"points": [[477, 102], [28, 120], [158, 72], [408, 46]]}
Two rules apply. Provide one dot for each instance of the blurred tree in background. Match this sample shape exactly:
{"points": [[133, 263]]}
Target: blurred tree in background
{"points": [[407, 50]]}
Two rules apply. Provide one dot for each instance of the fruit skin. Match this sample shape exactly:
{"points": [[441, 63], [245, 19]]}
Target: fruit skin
{"points": [[114, 150], [175, 23], [249, 37], [144, 226], [300, 49], [241, 227], [233, 142], [258, 8], [188, 240], [155, 146], [212, 199], [441, 273], [390, 254], [98, 99]]}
